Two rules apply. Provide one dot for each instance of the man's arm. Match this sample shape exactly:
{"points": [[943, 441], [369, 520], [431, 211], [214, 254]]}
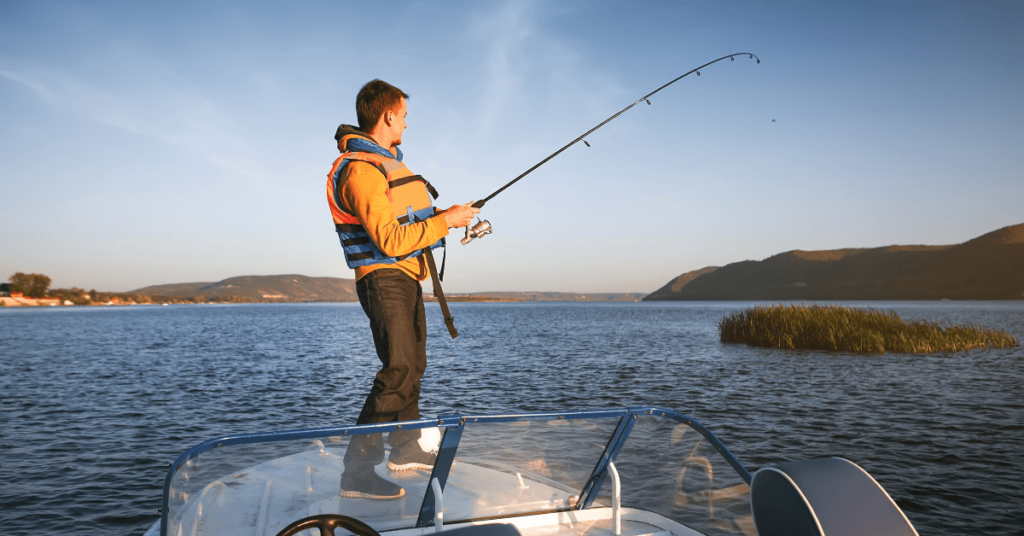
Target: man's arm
{"points": [[363, 192]]}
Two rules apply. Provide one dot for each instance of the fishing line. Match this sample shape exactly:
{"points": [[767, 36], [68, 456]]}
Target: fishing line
{"points": [[483, 227]]}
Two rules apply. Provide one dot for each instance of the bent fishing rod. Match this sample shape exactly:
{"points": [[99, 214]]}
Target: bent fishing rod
{"points": [[483, 227]]}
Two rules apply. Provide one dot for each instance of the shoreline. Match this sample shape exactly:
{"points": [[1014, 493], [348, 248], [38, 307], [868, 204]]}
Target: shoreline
{"points": [[10, 303], [6, 301]]}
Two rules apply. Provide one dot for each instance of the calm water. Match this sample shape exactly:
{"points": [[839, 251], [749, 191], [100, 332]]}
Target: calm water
{"points": [[95, 402]]}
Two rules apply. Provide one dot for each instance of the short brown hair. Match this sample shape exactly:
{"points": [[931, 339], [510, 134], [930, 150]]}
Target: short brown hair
{"points": [[376, 97]]}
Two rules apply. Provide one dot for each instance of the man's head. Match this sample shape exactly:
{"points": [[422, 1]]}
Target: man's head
{"points": [[381, 110]]}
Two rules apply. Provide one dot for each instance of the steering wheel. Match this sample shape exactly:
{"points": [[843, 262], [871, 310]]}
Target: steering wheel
{"points": [[326, 524]]}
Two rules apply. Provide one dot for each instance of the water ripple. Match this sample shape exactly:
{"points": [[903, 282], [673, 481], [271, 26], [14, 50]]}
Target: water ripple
{"points": [[94, 402]]}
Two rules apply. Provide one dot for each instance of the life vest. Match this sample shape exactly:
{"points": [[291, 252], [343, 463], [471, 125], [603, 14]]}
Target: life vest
{"points": [[410, 197]]}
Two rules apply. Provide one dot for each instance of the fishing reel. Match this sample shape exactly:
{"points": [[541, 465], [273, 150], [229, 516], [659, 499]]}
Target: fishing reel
{"points": [[482, 227]]}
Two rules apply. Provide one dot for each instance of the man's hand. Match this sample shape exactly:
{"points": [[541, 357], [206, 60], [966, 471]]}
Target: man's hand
{"points": [[460, 215]]}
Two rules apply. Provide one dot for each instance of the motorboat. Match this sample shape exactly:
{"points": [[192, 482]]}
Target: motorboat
{"points": [[638, 471]]}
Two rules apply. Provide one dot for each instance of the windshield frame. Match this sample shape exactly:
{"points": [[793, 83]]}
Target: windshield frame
{"points": [[452, 427]]}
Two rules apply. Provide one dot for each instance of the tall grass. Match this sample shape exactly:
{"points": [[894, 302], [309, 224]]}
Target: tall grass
{"points": [[853, 330]]}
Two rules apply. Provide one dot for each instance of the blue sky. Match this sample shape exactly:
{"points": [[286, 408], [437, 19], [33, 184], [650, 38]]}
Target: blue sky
{"points": [[145, 143]]}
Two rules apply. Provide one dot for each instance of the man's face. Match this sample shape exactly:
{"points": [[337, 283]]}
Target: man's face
{"points": [[398, 122]]}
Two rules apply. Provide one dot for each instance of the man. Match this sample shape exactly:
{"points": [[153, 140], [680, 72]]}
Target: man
{"points": [[385, 219]]}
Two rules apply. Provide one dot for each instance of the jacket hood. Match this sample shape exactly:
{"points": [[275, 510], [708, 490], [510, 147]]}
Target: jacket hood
{"points": [[350, 138], [346, 133]]}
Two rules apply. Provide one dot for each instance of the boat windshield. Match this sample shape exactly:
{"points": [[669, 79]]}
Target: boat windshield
{"points": [[488, 467]]}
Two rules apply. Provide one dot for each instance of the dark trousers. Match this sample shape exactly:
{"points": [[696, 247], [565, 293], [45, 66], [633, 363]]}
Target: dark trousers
{"points": [[393, 302]]}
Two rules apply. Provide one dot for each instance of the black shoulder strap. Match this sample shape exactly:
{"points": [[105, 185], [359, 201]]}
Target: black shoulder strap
{"points": [[449, 322], [413, 178]]}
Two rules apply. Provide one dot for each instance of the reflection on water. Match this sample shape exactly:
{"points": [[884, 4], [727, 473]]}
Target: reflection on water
{"points": [[94, 402]]}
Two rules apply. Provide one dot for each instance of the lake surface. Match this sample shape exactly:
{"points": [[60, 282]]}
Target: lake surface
{"points": [[95, 402]]}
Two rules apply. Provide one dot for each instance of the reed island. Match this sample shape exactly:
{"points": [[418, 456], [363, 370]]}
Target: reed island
{"points": [[847, 329]]}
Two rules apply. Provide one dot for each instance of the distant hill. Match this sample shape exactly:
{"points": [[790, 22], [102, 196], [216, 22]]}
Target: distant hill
{"points": [[263, 288], [547, 296], [275, 288], [990, 267]]}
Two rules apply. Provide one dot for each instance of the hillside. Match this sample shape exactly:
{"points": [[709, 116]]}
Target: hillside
{"points": [[546, 296], [990, 267], [263, 288], [274, 288]]}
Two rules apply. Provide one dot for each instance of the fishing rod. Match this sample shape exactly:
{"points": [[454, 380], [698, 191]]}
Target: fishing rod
{"points": [[483, 227]]}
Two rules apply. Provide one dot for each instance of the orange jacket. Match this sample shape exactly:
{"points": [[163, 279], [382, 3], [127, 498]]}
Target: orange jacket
{"points": [[371, 197]]}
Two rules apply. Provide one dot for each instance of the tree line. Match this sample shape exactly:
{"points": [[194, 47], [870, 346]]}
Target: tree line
{"points": [[31, 285], [38, 286]]}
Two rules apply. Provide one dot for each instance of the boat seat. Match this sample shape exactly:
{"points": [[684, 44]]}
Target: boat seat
{"points": [[824, 497], [490, 529]]}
